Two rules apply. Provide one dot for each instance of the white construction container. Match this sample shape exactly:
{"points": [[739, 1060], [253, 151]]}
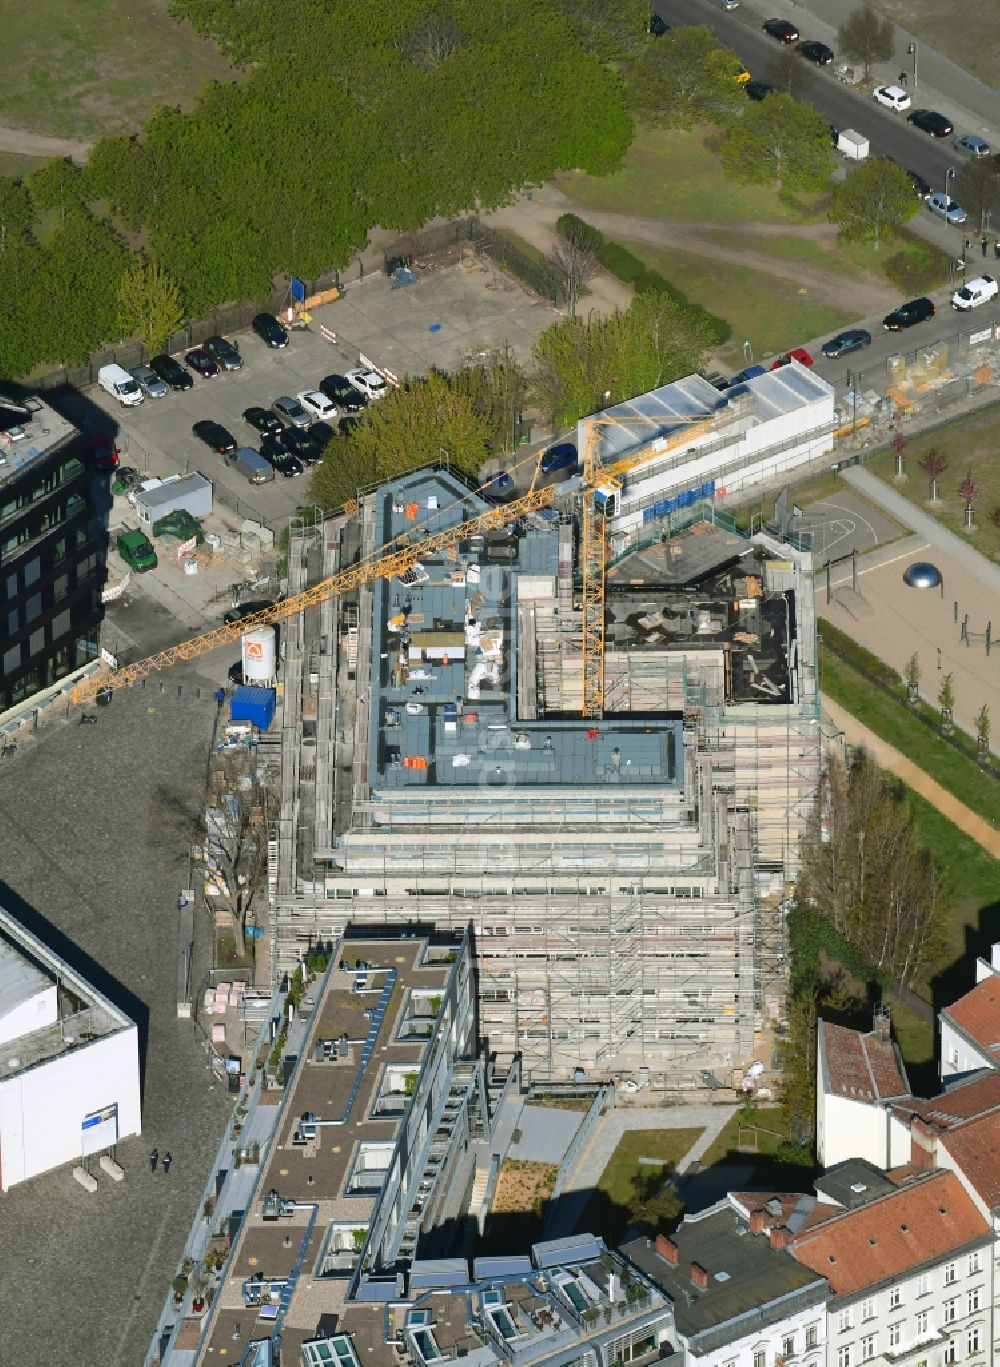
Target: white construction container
{"points": [[852, 145], [259, 655]]}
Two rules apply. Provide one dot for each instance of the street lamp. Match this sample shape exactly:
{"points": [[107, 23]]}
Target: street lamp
{"points": [[949, 176], [912, 50], [747, 353]]}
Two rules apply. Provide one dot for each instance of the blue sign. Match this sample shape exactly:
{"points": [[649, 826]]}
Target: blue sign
{"points": [[298, 289]]}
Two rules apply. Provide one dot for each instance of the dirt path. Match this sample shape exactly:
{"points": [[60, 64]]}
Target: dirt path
{"points": [[981, 830], [25, 144]]}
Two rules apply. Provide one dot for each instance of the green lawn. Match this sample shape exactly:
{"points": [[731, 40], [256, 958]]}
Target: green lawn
{"points": [[83, 68], [625, 1179], [735, 293], [915, 1037], [670, 174], [13, 165], [969, 444], [851, 259]]}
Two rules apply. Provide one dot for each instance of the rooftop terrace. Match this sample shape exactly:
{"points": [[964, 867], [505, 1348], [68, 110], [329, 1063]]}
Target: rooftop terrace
{"points": [[29, 430]]}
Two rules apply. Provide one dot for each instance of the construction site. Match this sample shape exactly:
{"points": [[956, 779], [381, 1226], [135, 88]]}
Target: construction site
{"points": [[588, 733]]}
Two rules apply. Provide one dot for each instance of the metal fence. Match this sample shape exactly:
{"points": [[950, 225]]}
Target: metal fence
{"points": [[539, 276], [137, 455]]}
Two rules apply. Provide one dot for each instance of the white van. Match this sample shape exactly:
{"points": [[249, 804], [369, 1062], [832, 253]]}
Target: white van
{"points": [[116, 381]]}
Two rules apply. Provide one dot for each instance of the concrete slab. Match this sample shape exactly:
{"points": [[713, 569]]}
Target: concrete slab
{"points": [[844, 523], [546, 1133]]}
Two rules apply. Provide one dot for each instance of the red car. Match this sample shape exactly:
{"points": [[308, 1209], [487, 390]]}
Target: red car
{"points": [[797, 353], [103, 451]]}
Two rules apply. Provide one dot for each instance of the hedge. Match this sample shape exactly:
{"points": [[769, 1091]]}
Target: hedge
{"points": [[863, 660], [628, 268]]}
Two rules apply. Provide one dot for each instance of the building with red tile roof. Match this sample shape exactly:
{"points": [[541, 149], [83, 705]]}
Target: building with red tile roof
{"points": [[970, 1030], [858, 1075]]}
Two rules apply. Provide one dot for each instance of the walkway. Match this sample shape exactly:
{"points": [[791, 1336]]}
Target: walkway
{"points": [[856, 733], [25, 144], [596, 1154]]}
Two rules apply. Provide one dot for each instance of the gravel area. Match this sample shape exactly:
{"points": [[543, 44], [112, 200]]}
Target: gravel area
{"points": [[97, 821]]}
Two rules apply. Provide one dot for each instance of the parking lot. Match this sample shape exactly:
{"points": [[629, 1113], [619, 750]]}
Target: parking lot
{"points": [[447, 315]]}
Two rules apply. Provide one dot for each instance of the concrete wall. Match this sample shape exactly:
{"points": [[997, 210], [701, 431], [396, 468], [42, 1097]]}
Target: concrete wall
{"points": [[42, 1109], [958, 1055], [34, 1014], [771, 1342]]}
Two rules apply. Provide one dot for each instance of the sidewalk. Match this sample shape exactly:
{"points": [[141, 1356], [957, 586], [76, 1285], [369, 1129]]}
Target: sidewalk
{"points": [[941, 83]]}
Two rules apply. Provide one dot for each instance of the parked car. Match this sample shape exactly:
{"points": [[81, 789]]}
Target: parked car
{"points": [[781, 29], [500, 486], [975, 292], [920, 185], [344, 395], [751, 372], [103, 451], [916, 311], [976, 147], [893, 97], [726, 4], [797, 353], [244, 610], [201, 363], [928, 121], [254, 467], [562, 456], [290, 410], [148, 381], [224, 353], [269, 330], [367, 382], [171, 372], [137, 551], [947, 208], [116, 381], [322, 433], [314, 401], [300, 444], [280, 459], [818, 53], [657, 26], [852, 339], [742, 77], [261, 420], [215, 436], [758, 90]]}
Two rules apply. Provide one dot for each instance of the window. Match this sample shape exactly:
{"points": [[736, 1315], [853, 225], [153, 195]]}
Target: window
{"points": [[788, 1346], [924, 1284], [895, 1334], [867, 1347], [812, 1336], [949, 1274], [760, 1358], [975, 1339], [846, 1320], [950, 1311], [975, 1298], [975, 1262], [844, 1356], [868, 1308], [921, 1323], [950, 1351], [895, 1298]]}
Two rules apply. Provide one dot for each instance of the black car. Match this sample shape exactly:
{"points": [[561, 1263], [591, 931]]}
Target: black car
{"points": [[279, 459], [916, 311], [216, 436], [262, 420], [237, 614], [758, 90], [201, 363], [321, 432], [171, 372], [816, 52], [853, 339], [920, 186], [781, 29], [269, 330], [930, 122], [224, 353], [657, 26], [299, 443], [339, 391]]}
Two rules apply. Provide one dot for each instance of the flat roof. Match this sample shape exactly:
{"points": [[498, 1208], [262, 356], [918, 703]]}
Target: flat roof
{"points": [[44, 430], [445, 664], [172, 489]]}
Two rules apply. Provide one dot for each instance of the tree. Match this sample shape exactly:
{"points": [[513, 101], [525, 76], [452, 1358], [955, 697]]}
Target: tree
{"points": [[782, 142], [977, 188], [934, 465], [873, 202], [970, 492], [787, 72], [497, 387], [686, 78], [946, 702], [983, 728], [581, 367], [16, 215], [612, 30], [426, 421], [798, 1065], [149, 305], [432, 40], [866, 37], [653, 1200], [57, 184], [912, 676], [574, 259]]}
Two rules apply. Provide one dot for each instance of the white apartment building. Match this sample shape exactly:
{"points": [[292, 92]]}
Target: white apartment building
{"points": [[858, 1077]]}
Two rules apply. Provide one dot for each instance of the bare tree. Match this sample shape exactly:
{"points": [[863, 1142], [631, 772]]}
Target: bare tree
{"points": [[575, 259], [866, 37], [433, 40], [238, 832], [977, 188], [788, 72]]}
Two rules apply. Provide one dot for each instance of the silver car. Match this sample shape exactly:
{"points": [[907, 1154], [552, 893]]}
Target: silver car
{"points": [[976, 147], [290, 410], [148, 381]]}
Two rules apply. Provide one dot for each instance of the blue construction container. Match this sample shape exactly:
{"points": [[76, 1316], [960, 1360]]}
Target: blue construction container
{"points": [[255, 705]]}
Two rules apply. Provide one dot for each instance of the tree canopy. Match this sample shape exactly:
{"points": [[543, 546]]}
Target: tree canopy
{"points": [[685, 78], [873, 202], [782, 142], [866, 37], [977, 188]]}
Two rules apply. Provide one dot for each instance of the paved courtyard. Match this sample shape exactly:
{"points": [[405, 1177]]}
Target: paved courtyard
{"points": [[97, 822], [843, 523]]}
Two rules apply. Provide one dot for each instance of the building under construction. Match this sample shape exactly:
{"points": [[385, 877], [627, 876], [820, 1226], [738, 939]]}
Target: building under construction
{"points": [[624, 872]]}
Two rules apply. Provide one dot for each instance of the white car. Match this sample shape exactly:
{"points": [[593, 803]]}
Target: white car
{"points": [[367, 382], [975, 292], [892, 96], [317, 403]]}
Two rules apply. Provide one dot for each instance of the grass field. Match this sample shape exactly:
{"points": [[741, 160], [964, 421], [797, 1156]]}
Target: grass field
{"points": [[851, 259], [13, 165], [669, 174], [83, 68], [734, 293], [969, 444], [625, 1180]]}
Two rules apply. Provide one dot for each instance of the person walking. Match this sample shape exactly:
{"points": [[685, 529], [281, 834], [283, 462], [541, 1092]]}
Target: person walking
{"points": [[984, 244], [996, 249], [220, 698], [154, 1158], [902, 79], [167, 1160]]}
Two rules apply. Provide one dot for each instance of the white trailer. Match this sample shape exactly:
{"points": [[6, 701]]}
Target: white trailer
{"points": [[852, 145]]}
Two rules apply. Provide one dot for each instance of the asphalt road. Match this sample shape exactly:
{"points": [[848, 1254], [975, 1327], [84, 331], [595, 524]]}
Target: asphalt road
{"points": [[889, 134]]}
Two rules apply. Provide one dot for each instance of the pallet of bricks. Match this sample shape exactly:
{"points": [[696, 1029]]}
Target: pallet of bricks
{"points": [[251, 542]]}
